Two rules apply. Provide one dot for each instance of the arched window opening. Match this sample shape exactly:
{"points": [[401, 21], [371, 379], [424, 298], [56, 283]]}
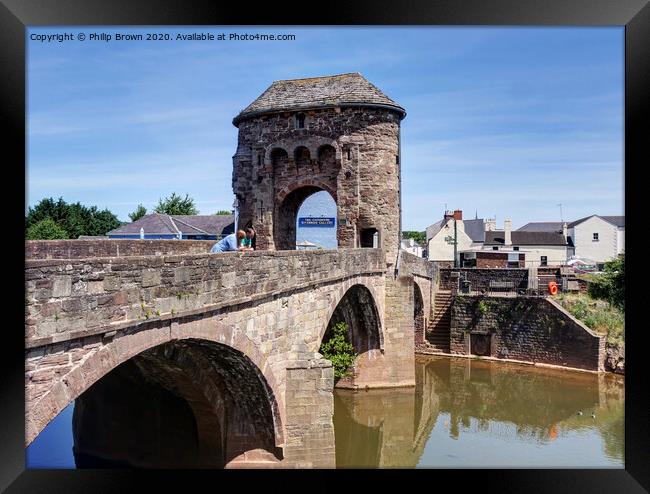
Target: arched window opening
{"points": [[279, 157], [302, 158], [327, 158]]}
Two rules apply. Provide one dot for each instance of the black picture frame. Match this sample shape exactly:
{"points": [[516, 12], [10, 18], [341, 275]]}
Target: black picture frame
{"points": [[17, 15]]}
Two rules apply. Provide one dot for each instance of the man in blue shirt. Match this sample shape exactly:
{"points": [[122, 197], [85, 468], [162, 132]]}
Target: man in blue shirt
{"points": [[230, 242]]}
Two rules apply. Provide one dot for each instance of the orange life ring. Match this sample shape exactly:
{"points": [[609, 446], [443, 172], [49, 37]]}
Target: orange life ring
{"points": [[552, 288]]}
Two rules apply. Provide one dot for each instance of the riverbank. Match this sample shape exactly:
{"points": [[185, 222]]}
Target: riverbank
{"points": [[602, 318]]}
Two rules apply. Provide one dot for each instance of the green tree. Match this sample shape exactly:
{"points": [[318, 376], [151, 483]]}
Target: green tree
{"points": [[223, 212], [339, 350], [419, 237], [176, 205], [138, 213], [46, 229], [610, 285], [75, 219]]}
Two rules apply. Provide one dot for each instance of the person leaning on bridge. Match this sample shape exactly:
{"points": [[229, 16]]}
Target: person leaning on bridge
{"points": [[249, 241], [231, 242]]}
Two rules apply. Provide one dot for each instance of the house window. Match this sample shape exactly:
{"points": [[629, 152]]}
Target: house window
{"points": [[300, 121], [595, 237], [515, 248], [544, 261], [496, 247]]}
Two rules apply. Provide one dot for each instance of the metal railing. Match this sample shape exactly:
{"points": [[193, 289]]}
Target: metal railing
{"points": [[500, 289]]}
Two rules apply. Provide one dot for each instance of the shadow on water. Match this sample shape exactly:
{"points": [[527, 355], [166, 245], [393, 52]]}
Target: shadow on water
{"points": [[473, 413]]}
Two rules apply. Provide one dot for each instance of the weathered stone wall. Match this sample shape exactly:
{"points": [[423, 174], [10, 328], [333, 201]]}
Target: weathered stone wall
{"points": [[352, 153], [66, 299], [480, 278], [399, 336], [491, 259], [424, 273], [77, 249], [615, 357], [310, 408], [530, 329]]}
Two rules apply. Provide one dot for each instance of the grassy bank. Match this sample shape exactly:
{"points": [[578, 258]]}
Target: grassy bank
{"points": [[598, 315]]}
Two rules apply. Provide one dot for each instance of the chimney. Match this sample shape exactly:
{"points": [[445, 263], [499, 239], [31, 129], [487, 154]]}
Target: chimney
{"points": [[490, 225], [507, 227], [458, 215], [448, 215], [564, 230]]}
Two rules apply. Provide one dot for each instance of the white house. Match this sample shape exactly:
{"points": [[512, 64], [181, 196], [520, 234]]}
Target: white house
{"points": [[541, 248], [440, 236], [597, 238], [412, 247]]}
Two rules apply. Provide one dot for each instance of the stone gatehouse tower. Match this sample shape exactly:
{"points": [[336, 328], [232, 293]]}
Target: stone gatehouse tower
{"points": [[336, 133]]}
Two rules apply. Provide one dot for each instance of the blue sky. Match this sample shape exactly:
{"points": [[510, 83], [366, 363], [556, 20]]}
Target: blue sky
{"points": [[506, 122]]}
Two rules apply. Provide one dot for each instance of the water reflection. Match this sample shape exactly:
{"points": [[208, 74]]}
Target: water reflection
{"points": [[472, 413], [461, 413]]}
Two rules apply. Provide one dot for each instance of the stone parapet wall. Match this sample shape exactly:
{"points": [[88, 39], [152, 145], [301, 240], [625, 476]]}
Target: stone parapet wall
{"points": [[64, 298], [424, 274], [411, 264], [480, 278], [529, 329], [79, 249]]}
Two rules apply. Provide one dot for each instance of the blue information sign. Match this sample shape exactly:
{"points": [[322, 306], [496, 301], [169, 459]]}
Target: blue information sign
{"points": [[316, 222]]}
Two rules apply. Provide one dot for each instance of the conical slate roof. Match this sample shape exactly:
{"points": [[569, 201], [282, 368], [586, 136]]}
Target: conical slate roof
{"points": [[319, 92]]}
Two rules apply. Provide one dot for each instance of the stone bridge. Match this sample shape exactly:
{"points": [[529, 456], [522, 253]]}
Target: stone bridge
{"points": [[219, 350]]}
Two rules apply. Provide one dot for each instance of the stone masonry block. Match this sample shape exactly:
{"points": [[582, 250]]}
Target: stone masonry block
{"points": [[62, 286]]}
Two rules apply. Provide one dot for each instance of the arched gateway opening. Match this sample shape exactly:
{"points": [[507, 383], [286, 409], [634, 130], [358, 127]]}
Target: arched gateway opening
{"points": [[287, 215], [184, 404]]}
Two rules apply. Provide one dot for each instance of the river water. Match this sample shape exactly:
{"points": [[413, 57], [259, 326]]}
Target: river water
{"points": [[462, 413]]}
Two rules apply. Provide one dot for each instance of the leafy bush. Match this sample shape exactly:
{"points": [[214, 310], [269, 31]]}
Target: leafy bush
{"points": [[339, 351], [419, 237], [481, 307], [610, 285], [46, 229]]}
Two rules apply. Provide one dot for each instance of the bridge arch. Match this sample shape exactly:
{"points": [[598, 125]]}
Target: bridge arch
{"points": [[338, 295], [418, 313], [357, 307], [207, 341]]}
